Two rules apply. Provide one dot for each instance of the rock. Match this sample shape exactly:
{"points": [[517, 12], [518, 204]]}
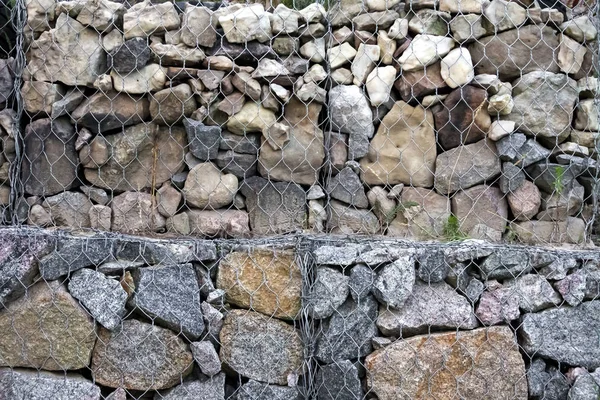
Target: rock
{"points": [[525, 201], [169, 106], [210, 388], [262, 280], [533, 292], [462, 7], [570, 55], [503, 15], [348, 333], [232, 104], [240, 165], [253, 390], [365, 61], [550, 384], [247, 144], [315, 74], [392, 373], [177, 55], [50, 162], [351, 114], [260, 348], [168, 199], [246, 24], [382, 205], [69, 53], [399, 29], [67, 103], [457, 68], [509, 54], [69, 209], [147, 79], [417, 83], [203, 140], [482, 212], [339, 381], [103, 297], [463, 119], [141, 356], [347, 187], [430, 22], [206, 357], [46, 320], [328, 293], [252, 118], [511, 179], [379, 84], [581, 29], [585, 387], [542, 232], [374, 21], [394, 283], [135, 212], [572, 288], [342, 219], [198, 27], [222, 223], [468, 27], [466, 166], [100, 217], [211, 79], [301, 158], [362, 279], [425, 50], [36, 385], [557, 206], [433, 267], [284, 20], [207, 187], [410, 131], [131, 56], [557, 92], [145, 19], [38, 97], [311, 92], [550, 176], [340, 55], [586, 118], [105, 111]]}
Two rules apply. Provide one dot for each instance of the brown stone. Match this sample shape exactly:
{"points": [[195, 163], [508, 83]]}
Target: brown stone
{"points": [[463, 119], [525, 201], [170, 105], [266, 281], [135, 212], [46, 329], [482, 212], [232, 104], [445, 366], [421, 82], [222, 223]]}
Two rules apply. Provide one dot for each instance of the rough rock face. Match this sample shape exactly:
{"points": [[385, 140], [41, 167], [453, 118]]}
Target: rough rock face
{"points": [[133, 212], [450, 363], [260, 348], [46, 321], [33, 385], [262, 280], [140, 357]]}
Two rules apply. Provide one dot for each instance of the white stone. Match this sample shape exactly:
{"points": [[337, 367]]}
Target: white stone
{"points": [[381, 5], [145, 19], [399, 29], [340, 55], [570, 55], [316, 74], [365, 61], [281, 92], [387, 47], [207, 187], [457, 68], [504, 15], [379, 84], [285, 20], [500, 104], [246, 24], [313, 13], [425, 50], [314, 50], [101, 14], [103, 83], [463, 6], [112, 40], [500, 128], [587, 116], [150, 78], [433, 99], [580, 29]]}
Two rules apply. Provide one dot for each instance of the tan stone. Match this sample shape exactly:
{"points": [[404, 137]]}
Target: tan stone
{"points": [[46, 329], [403, 150], [40, 96], [207, 187], [445, 366], [262, 280], [251, 118], [525, 201]]}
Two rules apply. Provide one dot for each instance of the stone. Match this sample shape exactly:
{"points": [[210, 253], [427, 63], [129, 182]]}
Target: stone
{"points": [[525, 201], [345, 220], [508, 54], [46, 321], [340, 55], [274, 207], [420, 82], [399, 29], [314, 50], [207, 187], [585, 387], [69, 53], [328, 292], [211, 79], [69, 209], [457, 68], [505, 264], [339, 381], [315, 74], [247, 144], [206, 388], [382, 205], [169, 106], [222, 223], [394, 283], [392, 373], [311, 92], [150, 78], [6, 80], [347, 187], [425, 50], [430, 22], [135, 212], [265, 281], [253, 390], [365, 61], [361, 281], [481, 206], [534, 293], [131, 56], [198, 27], [240, 165], [251, 118], [550, 176], [511, 179], [463, 119], [38, 97], [246, 24], [542, 232], [557, 93], [462, 6], [500, 129], [67, 103], [350, 113], [375, 20], [168, 199], [580, 28], [103, 297], [232, 103], [468, 27], [203, 140], [300, 159], [572, 288], [145, 19], [50, 161], [132, 157], [177, 55], [387, 47], [206, 357], [586, 119], [466, 166], [139, 357], [260, 348], [106, 111], [348, 333], [379, 85], [570, 55], [433, 267], [403, 150], [557, 206], [503, 15], [36, 385]]}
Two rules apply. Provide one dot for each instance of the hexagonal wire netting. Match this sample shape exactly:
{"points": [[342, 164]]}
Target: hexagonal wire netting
{"points": [[333, 200]]}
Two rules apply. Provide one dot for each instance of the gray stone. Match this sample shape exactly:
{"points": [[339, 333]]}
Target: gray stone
{"points": [[558, 267], [97, 195], [131, 56], [362, 279], [433, 267], [212, 388], [240, 165], [171, 105], [103, 297], [198, 27], [474, 290], [533, 292], [261, 348], [253, 390], [329, 292], [69, 209], [545, 175], [506, 264], [339, 381], [247, 144], [509, 147], [345, 220], [512, 178], [347, 334], [431, 306], [394, 283], [203, 140], [482, 212], [143, 19], [531, 152], [171, 296], [337, 255], [135, 212], [375, 20], [6, 80], [206, 357], [73, 255], [498, 306], [585, 387], [546, 382], [274, 207], [347, 187], [572, 288], [566, 335], [16, 383]]}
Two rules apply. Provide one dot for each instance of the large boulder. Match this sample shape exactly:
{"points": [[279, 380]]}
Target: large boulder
{"points": [[445, 365], [403, 149]]}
